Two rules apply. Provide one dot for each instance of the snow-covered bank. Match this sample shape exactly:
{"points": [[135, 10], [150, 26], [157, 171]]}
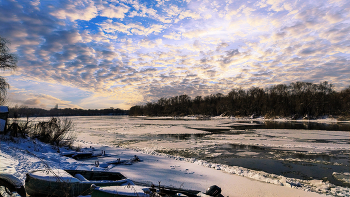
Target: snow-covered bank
{"points": [[25, 155], [318, 186], [19, 156]]}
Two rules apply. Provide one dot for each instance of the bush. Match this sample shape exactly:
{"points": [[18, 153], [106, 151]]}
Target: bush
{"points": [[343, 118], [56, 132], [18, 130]]}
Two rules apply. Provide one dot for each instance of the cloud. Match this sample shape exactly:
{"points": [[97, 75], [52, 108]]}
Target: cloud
{"points": [[189, 14], [32, 100], [76, 10], [104, 102], [132, 28], [112, 11], [146, 43], [173, 35], [279, 5], [334, 17], [308, 51], [135, 52], [194, 33]]}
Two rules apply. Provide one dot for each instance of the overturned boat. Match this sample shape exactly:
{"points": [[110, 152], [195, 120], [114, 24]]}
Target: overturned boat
{"points": [[57, 182], [79, 155], [11, 185]]}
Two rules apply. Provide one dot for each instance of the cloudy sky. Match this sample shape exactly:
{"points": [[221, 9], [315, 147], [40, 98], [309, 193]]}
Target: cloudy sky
{"points": [[118, 53]]}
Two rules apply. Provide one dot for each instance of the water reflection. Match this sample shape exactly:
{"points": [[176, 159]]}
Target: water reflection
{"points": [[285, 125], [323, 157], [306, 125], [246, 147], [180, 136]]}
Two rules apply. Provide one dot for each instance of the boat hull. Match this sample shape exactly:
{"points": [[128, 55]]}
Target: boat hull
{"points": [[37, 187], [119, 191], [54, 184]]}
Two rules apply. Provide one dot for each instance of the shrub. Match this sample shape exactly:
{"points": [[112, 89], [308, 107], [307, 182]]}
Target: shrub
{"points": [[343, 118], [18, 129], [56, 132]]}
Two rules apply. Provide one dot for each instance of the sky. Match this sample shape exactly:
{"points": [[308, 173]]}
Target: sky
{"points": [[96, 54]]}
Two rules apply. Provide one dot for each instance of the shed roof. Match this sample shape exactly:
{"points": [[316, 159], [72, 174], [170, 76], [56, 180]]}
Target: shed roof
{"points": [[4, 109]]}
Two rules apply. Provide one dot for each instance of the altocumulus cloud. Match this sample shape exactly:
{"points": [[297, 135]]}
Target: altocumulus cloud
{"points": [[122, 53]]}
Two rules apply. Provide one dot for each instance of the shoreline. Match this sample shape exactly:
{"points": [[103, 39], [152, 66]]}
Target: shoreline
{"points": [[324, 119]]}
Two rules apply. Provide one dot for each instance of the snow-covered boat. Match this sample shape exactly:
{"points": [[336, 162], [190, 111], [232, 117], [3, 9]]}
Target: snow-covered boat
{"points": [[126, 162], [121, 191], [132, 190], [11, 186], [57, 182], [78, 155]]}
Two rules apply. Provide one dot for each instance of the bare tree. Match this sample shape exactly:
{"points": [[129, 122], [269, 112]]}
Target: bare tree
{"points": [[7, 61]]}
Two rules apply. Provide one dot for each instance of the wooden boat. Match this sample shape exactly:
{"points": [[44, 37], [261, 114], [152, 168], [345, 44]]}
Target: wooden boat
{"points": [[121, 191], [125, 162], [57, 182], [141, 190], [79, 155], [11, 186]]}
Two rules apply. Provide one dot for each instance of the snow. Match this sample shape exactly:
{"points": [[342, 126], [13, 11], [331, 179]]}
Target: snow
{"points": [[345, 176], [127, 190], [7, 164], [54, 175], [20, 156], [170, 171]]}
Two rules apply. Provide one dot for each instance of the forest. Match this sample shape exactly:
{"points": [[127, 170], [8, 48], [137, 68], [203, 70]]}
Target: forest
{"points": [[296, 100], [16, 112]]}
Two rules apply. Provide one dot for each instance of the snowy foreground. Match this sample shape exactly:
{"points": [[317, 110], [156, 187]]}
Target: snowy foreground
{"points": [[23, 155]]}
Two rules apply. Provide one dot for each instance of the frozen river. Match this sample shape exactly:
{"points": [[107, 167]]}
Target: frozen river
{"points": [[244, 157], [303, 150]]}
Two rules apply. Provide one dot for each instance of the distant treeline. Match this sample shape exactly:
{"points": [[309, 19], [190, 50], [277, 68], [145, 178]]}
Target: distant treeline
{"points": [[37, 112], [297, 100]]}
